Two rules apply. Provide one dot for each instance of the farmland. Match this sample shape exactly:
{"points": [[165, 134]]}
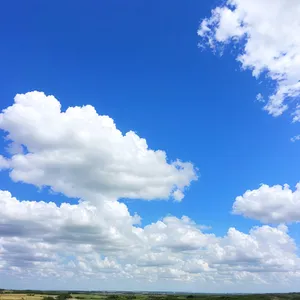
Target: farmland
{"points": [[64, 295]]}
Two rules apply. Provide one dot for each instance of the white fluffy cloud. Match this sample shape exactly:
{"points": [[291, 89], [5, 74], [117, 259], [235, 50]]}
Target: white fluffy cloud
{"points": [[268, 35], [3, 163], [82, 154], [92, 157], [41, 239], [270, 204], [107, 225]]}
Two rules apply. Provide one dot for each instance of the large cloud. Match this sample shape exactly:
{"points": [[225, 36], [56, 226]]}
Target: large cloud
{"points": [[107, 225], [91, 156], [269, 42], [86, 241], [270, 204], [82, 154]]}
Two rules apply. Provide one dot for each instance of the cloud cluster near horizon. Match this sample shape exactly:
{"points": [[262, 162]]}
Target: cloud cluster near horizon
{"points": [[83, 155]]}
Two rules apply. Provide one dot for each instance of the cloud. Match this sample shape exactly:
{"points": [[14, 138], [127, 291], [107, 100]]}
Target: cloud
{"points": [[266, 33], [92, 157], [257, 251], [295, 138], [260, 98], [4, 164], [80, 241], [270, 204], [82, 154], [177, 234], [107, 225]]}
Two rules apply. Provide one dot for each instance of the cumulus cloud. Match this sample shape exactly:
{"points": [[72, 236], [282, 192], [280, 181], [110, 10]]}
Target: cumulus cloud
{"points": [[3, 163], [177, 234], [257, 251], [107, 225], [82, 154], [41, 239], [268, 43], [270, 204], [91, 156]]}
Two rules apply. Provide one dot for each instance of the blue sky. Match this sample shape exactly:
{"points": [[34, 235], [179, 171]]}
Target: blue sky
{"points": [[139, 63]]}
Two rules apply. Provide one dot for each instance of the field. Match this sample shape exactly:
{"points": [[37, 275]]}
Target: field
{"points": [[21, 296], [62, 295]]}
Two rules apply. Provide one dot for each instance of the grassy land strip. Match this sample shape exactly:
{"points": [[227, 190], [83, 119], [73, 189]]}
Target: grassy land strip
{"points": [[66, 295]]}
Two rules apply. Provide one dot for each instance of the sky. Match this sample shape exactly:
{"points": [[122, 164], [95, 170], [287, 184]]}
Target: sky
{"points": [[150, 145]]}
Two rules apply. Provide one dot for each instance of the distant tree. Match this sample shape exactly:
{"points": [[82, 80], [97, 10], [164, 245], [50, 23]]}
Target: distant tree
{"points": [[48, 298], [113, 297], [130, 297], [63, 296], [170, 297]]}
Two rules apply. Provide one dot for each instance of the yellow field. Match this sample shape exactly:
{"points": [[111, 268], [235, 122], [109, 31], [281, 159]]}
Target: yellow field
{"points": [[9, 296]]}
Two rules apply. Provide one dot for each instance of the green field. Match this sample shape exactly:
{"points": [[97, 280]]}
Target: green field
{"points": [[63, 295]]}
